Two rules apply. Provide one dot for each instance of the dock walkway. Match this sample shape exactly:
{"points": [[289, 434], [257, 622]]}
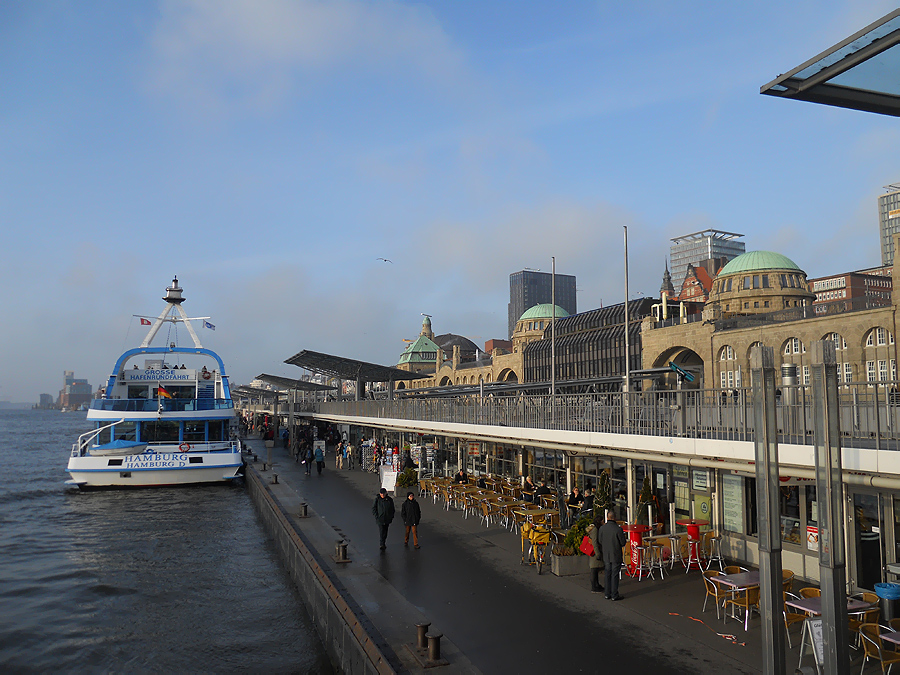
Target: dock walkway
{"points": [[497, 615]]}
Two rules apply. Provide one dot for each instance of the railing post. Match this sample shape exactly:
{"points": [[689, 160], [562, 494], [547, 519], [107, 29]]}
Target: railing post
{"points": [[762, 370], [829, 496]]}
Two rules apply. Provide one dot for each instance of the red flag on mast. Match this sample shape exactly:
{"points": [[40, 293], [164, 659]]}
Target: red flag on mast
{"points": [[145, 322]]}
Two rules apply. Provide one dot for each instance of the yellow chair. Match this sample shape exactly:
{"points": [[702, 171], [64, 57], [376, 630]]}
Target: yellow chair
{"points": [[854, 621], [732, 569], [713, 590], [787, 580], [809, 593], [791, 616], [874, 649], [746, 599]]}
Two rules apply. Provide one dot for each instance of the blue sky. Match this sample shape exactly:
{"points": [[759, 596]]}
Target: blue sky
{"points": [[268, 152]]}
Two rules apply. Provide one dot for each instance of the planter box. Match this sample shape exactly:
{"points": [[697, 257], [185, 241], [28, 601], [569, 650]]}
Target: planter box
{"points": [[567, 565]]}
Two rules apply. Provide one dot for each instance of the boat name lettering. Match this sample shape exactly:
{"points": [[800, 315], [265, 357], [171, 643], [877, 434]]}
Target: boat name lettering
{"points": [[157, 461], [160, 375]]}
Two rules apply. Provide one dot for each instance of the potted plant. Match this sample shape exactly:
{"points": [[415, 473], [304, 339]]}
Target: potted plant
{"points": [[566, 558], [407, 478]]}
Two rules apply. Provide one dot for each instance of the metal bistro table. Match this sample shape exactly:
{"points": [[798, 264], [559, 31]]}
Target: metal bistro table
{"points": [[735, 583], [813, 606]]}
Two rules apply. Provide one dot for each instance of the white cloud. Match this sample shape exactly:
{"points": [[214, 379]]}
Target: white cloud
{"points": [[215, 52]]}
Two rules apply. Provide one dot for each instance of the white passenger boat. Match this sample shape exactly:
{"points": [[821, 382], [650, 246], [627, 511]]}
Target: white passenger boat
{"points": [[166, 416]]}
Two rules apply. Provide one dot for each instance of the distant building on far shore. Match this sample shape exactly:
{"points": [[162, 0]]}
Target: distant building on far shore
{"points": [[46, 402], [75, 392]]}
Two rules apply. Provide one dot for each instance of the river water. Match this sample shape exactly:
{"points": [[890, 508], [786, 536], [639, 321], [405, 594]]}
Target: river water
{"points": [[157, 580]]}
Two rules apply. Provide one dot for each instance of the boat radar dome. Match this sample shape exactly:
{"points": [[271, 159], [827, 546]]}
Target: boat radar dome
{"points": [[173, 293]]}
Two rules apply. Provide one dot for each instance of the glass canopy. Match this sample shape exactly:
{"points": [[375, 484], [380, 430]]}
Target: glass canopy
{"points": [[861, 72]]}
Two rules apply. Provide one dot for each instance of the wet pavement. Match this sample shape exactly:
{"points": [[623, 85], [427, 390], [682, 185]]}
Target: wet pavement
{"points": [[468, 581]]}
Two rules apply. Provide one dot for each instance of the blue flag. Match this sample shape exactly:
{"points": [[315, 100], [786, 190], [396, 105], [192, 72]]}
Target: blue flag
{"points": [[207, 324]]}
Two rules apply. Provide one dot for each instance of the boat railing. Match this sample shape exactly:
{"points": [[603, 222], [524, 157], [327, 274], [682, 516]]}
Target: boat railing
{"points": [[79, 448], [161, 405]]}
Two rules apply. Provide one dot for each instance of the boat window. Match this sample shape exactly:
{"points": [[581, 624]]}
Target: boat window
{"points": [[196, 460], [138, 391], [216, 430], [104, 437], [125, 431], [114, 462], [159, 430], [194, 431]]}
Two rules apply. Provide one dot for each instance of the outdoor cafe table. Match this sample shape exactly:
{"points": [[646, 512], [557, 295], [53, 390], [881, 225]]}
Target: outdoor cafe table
{"points": [[531, 513], [636, 539], [813, 606], [737, 582]]}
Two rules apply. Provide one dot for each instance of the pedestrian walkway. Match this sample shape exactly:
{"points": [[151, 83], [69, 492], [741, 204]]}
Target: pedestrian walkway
{"points": [[496, 614]]}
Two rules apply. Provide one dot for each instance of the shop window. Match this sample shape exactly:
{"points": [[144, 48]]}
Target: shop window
{"points": [[790, 514], [812, 519]]}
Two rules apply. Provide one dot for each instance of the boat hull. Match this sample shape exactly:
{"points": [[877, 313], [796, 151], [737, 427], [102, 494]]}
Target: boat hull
{"points": [[155, 469]]}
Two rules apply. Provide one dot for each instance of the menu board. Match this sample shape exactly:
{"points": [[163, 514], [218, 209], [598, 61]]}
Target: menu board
{"points": [[733, 503]]}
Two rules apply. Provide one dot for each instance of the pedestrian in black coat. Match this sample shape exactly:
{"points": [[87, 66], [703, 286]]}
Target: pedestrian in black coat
{"points": [[612, 539], [383, 510], [411, 515]]}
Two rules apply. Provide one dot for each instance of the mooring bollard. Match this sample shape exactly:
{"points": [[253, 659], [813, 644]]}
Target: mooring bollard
{"points": [[255, 458], [434, 647], [421, 630], [340, 550], [264, 466], [274, 478], [303, 510]]}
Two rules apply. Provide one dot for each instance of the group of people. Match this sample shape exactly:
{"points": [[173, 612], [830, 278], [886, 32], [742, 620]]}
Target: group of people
{"points": [[410, 513]]}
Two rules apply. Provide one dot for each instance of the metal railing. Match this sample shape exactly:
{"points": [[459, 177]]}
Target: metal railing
{"points": [[166, 404], [870, 413]]}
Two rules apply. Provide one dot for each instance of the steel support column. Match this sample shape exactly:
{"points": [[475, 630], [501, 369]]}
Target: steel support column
{"points": [[829, 496], [771, 603]]}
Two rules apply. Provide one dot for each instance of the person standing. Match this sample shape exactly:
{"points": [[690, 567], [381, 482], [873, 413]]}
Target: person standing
{"points": [[349, 456], [308, 458], [612, 539], [596, 561], [320, 459], [383, 510], [339, 455], [411, 515]]}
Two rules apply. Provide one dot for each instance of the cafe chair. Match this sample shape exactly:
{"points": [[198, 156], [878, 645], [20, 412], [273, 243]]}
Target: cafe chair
{"points": [[894, 624], [787, 580], [791, 616], [733, 569], [809, 592], [873, 648], [857, 619], [713, 590], [746, 599], [489, 513]]}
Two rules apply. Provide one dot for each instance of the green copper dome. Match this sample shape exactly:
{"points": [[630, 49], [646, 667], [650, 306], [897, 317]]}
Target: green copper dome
{"points": [[544, 311], [759, 260]]}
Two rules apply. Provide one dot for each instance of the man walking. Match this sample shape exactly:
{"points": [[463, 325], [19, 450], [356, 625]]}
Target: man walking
{"points": [[411, 514], [383, 510], [612, 539], [320, 458]]}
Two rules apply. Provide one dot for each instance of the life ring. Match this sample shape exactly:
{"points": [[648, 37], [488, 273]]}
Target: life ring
{"points": [[184, 447], [206, 374]]}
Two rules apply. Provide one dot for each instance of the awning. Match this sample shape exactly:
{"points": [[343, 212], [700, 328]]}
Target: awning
{"points": [[245, 391], [350, 369], [289, 383], [862, 72]]}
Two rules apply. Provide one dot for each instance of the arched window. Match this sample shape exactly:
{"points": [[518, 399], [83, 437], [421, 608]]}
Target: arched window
{"points": [[793, 346], [729, 371], [880, 365]]}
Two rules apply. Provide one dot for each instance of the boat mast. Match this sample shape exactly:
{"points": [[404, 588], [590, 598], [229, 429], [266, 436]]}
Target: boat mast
{"points": [[173, 299]]}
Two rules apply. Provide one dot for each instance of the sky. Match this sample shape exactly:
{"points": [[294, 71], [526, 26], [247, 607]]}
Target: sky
{"points": [[268, 152]]}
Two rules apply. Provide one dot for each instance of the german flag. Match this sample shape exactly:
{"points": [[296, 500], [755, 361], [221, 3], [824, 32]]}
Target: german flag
{"points": [[163, 392]]}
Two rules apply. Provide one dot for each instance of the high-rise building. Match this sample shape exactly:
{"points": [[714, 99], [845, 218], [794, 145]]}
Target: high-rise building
{"points": [[698, 247], [530, 287], [75, 392], [889, 221]]}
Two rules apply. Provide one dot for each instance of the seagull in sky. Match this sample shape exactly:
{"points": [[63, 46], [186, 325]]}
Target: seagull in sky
{"points": [[386, 260]]}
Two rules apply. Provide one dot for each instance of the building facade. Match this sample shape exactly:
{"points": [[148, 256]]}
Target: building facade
{"points": [[888, 221], [698, 247], [530, 287]]}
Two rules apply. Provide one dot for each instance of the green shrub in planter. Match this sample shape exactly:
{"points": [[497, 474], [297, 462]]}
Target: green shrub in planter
{"points": [[407, 478], [576, 533]]}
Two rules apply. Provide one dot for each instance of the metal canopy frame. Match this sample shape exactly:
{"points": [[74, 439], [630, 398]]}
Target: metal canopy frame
{"points": [[245, 390], [350, 369], [290, 383], [846, 75]]}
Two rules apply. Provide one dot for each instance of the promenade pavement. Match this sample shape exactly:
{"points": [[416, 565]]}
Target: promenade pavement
{"points": [[499, 616]]}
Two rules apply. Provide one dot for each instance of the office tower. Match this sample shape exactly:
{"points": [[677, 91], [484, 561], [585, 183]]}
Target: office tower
{"points": [[889, 221], [698, 247], [530, 287]]}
